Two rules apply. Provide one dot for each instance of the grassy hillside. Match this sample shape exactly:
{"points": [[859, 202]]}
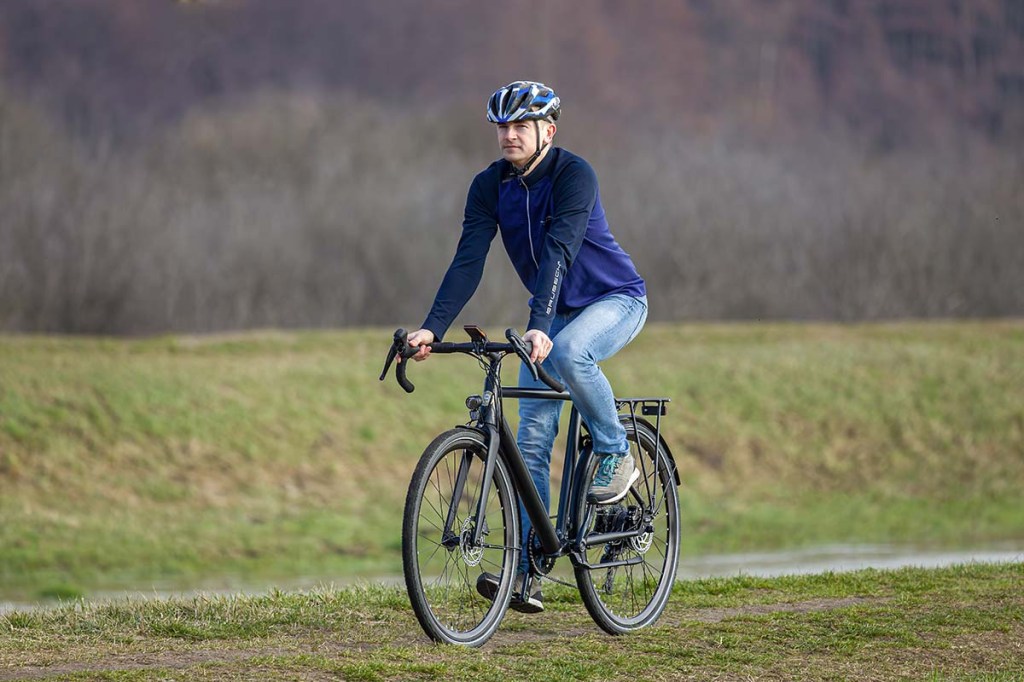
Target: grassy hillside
{"points": [[170, 461], [961, 623]]}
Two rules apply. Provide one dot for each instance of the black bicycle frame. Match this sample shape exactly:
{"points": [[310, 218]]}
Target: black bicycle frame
{"points": [[552, 537], [499, 435], [555, 538]]}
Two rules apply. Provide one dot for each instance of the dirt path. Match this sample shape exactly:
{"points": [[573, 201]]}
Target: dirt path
{"points": [[185, 659]]}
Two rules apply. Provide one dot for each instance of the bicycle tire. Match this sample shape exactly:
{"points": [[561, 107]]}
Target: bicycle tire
{"points": [[623, 599], [440, 578]]}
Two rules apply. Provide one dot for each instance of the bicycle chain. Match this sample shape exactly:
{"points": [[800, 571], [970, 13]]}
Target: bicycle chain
{"points": [[557, 580], [535, 568], [537, 560]]}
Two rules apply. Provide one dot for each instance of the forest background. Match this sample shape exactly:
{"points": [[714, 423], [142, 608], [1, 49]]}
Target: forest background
{"points": [[202, 166]]}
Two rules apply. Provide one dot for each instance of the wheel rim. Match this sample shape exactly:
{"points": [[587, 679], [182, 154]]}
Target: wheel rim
{"points": [[448, 568], [631, 595]]}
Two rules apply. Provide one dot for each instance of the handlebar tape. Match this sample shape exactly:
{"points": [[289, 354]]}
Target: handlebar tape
{"points": [[548, 379], [523, 350]]}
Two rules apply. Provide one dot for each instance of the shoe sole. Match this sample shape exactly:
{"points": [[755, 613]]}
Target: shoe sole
{"points": [[531, 605], [625, 491], [488, 590]]}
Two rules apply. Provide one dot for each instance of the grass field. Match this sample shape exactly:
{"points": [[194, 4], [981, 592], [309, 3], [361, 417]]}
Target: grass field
{"points": [[961, 623], [256, 457]]}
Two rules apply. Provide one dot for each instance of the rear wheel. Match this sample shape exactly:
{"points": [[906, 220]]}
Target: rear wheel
{"points": [[441, 562], [629, 581]]}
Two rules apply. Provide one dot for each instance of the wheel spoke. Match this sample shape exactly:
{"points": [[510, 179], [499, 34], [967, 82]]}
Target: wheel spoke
{"points": [[634, 595], [445, 597]]}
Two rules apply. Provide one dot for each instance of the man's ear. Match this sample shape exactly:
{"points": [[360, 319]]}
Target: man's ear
{"points": [[550, 132]]}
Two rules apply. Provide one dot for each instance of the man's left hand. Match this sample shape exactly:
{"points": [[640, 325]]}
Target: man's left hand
{"points": [[541, 345]]}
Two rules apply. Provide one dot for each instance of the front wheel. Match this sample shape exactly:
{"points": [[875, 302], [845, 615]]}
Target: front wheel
{"points": [[441, 561], [626, 583]]}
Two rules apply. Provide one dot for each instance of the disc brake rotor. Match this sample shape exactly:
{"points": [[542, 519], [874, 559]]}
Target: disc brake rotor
{"points": [[641, 543], [472, 555]]}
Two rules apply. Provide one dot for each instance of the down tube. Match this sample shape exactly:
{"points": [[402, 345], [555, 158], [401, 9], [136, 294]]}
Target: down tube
{"points": [[528, 494]]}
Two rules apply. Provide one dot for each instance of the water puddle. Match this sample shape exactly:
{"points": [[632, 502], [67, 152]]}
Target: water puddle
{"points": [[839, 558], [835, 558]]}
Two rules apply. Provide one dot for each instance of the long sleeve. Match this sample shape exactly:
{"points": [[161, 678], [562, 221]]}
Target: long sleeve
{"points": [[479, 225], [574, 197]]}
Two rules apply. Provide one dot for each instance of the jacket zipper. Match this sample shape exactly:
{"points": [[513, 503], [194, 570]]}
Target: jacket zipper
{"points": [[529, 224]]}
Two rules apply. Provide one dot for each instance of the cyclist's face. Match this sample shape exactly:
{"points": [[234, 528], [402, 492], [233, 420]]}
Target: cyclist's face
{"points": [[518, 140]]}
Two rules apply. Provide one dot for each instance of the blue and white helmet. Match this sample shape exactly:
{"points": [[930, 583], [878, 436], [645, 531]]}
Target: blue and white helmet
{"points": [[523, 101]]}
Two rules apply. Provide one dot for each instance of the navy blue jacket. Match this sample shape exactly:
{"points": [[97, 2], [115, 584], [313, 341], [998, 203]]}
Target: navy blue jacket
{"points": [[555, 232]]}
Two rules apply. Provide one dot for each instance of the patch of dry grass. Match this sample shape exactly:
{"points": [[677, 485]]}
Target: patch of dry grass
{"points": [[278, 454]]}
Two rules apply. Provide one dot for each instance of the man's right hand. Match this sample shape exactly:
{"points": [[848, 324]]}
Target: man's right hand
{"points": [[420, 337]]}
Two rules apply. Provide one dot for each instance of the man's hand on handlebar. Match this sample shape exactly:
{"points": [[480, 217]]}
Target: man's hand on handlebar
{"points": [[541, 345], [416, 346], [420, 337]]}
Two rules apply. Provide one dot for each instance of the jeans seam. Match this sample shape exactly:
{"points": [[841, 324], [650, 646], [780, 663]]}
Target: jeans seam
{"points": [[633, 303], [639, 322]]}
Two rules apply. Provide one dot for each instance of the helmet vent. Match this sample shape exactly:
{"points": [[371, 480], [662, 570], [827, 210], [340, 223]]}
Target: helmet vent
{"points": [[523, 101]]}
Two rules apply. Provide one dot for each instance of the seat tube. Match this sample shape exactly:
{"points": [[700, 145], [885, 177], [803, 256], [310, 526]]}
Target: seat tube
{"points": [[565, 501]]}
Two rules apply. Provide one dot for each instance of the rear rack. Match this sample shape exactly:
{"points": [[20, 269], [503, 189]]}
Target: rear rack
{"points": [[649, 407]]}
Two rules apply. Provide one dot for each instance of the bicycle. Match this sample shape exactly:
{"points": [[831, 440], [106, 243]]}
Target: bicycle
{"points": [[461, 512]]}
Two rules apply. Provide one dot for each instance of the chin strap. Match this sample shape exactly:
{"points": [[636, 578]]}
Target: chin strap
{"points": [[540, 147]]}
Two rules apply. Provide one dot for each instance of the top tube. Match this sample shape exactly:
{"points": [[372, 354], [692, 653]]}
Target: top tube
{"points": [[533, 393]]}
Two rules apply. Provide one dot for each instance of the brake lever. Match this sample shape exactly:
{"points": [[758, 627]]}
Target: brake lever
{"points": [[538, 372], [400, 346], [393, 351], [521, 350]]}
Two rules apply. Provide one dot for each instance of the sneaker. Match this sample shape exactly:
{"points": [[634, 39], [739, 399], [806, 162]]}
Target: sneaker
{"points": [[487, 586], [615, 474]]}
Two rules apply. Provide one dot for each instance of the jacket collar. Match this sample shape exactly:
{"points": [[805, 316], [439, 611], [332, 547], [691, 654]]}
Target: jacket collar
{"points": [[542, 168]]}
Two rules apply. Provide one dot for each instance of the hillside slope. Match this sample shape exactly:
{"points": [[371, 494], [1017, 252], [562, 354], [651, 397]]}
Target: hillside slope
{"points": [[178, 460]]}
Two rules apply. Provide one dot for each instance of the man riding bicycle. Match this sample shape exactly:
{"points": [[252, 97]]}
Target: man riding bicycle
{"points": [[588, 301]]}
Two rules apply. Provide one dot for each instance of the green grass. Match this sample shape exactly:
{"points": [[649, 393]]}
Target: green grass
{"points": [[267, 456], [964, 622]]}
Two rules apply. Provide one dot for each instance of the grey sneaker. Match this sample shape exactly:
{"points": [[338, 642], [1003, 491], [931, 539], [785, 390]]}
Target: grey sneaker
{"points": [[487, 586], [615, 474]]}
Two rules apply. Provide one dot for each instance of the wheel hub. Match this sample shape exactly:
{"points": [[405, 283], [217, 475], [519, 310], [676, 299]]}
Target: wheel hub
{"points": [[471, 554], [641, 543]]}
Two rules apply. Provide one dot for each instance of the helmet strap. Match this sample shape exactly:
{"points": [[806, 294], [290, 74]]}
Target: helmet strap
{"points": [[540, 147]]}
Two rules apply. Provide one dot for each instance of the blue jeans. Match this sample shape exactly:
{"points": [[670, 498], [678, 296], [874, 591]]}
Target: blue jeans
{"points": [[581, 340]]}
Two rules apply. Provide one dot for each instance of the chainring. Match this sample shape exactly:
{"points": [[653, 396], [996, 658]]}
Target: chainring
{"points": [[540, 563]]}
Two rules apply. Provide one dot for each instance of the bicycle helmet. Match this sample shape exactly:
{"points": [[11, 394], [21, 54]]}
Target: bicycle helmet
{"points": [[523, 101]]}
